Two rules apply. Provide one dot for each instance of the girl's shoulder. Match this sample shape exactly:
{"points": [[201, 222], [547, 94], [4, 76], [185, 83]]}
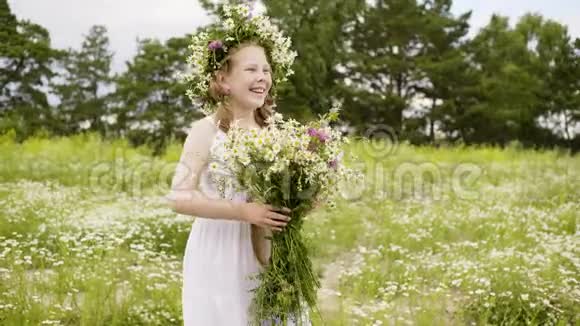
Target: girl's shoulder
{"points": [[200, 136], [203, 125]]}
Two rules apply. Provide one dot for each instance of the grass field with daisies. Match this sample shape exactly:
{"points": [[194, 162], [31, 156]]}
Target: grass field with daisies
{"points": [[431, 236]]}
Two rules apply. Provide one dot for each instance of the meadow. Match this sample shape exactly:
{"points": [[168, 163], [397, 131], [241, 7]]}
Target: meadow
{"points": [[430, 236]]}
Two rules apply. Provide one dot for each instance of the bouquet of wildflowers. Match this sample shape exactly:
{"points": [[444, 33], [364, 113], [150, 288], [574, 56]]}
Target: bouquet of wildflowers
{"points": [[288, 164]]}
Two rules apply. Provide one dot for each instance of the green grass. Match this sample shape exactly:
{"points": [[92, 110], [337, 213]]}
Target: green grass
{"points": [[448, 236]]}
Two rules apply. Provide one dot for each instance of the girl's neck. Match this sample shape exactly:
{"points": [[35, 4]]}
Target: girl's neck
{"points": [[244, 118]]}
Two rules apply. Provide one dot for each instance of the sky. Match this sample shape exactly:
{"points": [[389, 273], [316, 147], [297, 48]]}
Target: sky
{"points": [[126, 20]]}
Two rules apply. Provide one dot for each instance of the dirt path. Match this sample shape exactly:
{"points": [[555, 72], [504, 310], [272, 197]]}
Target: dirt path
{"points": [[329, 296]]}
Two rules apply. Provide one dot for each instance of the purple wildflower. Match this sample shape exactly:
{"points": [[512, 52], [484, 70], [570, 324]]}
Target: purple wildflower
{"points": [[333, 164], [251, 4], [215, 45], [321, 135]]}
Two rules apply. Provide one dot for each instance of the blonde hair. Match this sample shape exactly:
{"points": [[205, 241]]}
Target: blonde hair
{"points": [[224, 113]]}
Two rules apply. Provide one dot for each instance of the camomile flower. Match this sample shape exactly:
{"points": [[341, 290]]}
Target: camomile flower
{"points": [[259, 142], [235, 151], [245, 160], [270, 156], [213, 166], [229, 24]]}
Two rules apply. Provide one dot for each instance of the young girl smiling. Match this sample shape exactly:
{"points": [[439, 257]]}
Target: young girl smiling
{"points": [[226, 246]]}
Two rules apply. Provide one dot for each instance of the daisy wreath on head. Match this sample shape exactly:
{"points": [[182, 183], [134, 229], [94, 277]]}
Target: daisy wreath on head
{"points": [[209, 49]]}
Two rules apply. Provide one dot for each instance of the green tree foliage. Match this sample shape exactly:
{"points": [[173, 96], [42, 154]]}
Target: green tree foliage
{"points": [[317, 29], [382, 64], [447, 81], [558, 61], [150, 103], [84, 84], [26, 67], [514, 64], [406, 64]]}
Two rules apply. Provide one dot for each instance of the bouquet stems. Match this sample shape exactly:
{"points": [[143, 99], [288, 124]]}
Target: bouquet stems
{"points": [[288, 285]]}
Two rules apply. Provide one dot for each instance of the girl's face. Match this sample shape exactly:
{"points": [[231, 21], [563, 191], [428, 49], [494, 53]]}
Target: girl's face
{"points": [[250, 79]]}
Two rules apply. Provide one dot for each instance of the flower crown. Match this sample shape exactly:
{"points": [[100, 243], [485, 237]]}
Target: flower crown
{"points": [[210, 48]]}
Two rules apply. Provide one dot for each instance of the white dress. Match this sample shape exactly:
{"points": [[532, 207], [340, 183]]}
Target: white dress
{"points": [[219, 258]]}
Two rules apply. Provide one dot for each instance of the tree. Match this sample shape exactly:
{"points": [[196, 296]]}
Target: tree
{"points": [[317, 30], [382, 64], [8, 23], [563, 90], [26, 60], [85, 83], [447, 80], [508, 87], [150, 103], [518, 84]]}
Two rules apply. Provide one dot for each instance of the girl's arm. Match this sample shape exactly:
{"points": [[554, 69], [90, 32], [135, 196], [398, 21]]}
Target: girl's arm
{"points": [[185, 196]]}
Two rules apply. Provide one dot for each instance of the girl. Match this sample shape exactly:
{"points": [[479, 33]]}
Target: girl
{"points": [[220, 256]]}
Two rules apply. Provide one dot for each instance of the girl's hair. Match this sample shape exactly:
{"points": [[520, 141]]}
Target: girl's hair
{"points": [[224, 113]]}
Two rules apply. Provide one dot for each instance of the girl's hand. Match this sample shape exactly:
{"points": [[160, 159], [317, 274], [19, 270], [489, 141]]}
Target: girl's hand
{"points": [[265, 215]]}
